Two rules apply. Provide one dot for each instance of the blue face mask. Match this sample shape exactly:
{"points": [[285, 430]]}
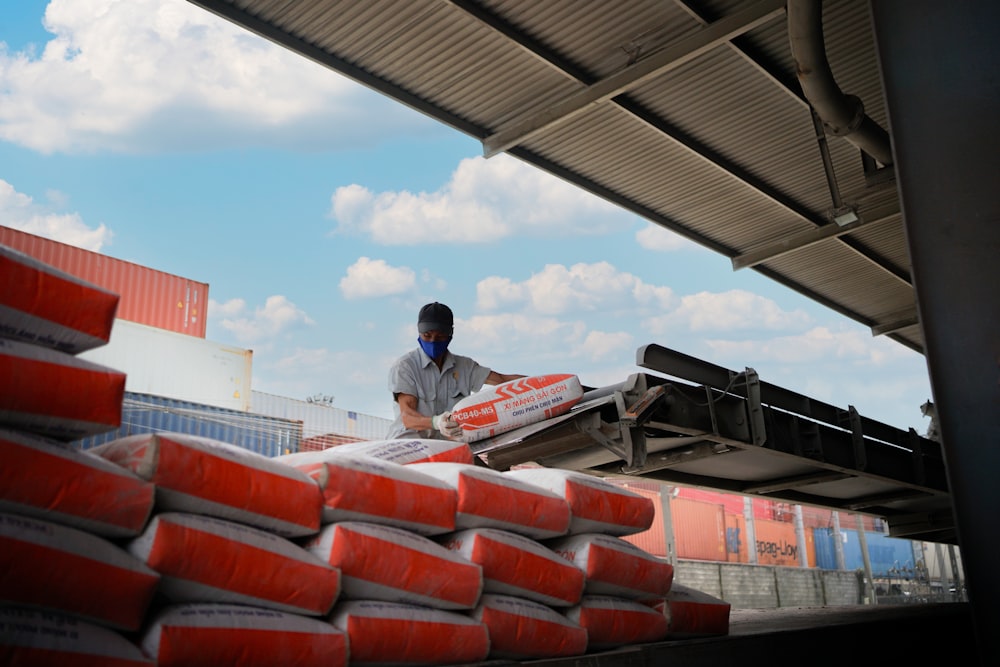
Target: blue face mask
{"points": [[435, 349]]}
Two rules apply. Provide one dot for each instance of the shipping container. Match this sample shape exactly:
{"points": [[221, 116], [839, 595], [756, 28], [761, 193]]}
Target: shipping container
{"points": [[147, 296], [144, 413], [165, 363], [322, 425], [887, 555]]}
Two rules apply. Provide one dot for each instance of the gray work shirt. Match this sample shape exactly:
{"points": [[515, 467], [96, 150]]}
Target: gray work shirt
{"points": [[416, 374]]}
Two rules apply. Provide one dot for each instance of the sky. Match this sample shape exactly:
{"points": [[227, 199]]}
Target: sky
{"points": [[323, 215]]}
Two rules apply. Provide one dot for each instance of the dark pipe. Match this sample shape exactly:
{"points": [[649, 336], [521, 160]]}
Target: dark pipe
{"points": [[843, 115]]}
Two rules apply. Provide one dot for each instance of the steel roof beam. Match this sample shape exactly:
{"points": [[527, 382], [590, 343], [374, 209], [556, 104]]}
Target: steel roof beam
{"points": [[669, 58], [810, 237]]}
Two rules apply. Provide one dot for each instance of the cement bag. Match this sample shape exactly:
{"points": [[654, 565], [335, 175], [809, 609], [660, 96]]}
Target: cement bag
{"points": [[691, 613], [206, 476], [204, 559], [45, 565], [516, 565], [613, 621], [406, 634], [613, 566], [385, 563], [523, 630], [597, 506], [57, 395], [42, 305], [361, 488], [496, 409], [214, 635], [489, 499], [33, 638], [46, 480], [401, 450]]}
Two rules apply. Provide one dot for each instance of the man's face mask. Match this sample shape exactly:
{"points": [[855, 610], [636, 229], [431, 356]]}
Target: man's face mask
{"points": [[433, 349]]}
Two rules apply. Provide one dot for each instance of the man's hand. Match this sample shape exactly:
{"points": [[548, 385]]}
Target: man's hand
{"points": [[447, 426]]}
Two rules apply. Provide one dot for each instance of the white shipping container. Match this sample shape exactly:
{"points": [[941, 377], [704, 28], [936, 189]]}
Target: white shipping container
{"points": [[320, 420], [164, 363]]}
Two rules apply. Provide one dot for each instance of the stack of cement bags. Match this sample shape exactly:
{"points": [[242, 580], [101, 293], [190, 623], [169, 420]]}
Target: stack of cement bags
{"points": [[68, 589]]}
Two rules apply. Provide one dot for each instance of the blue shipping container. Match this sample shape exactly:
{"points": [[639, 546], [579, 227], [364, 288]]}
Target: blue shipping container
{"points": [[145, 413], [888, 555]]}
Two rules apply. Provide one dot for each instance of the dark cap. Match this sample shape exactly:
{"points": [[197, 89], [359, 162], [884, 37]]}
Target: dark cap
{"points": [[435, 317]]}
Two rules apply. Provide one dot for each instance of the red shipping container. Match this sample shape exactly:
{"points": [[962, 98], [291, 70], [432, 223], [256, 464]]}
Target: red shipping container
{"points": [[148, 296]]}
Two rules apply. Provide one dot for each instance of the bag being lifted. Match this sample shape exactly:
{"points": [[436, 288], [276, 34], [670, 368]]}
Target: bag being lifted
{"points": [[210, 635], [500, 408]]}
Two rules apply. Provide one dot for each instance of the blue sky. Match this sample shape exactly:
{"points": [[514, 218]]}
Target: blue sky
{"points": [[323, 215]]}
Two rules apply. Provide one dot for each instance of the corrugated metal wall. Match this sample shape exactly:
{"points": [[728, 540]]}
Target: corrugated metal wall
{"points": [[147, 296], [322, 425], [144, 413]]}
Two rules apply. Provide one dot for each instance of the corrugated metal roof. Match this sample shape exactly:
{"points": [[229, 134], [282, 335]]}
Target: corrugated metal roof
{"points": [[714, 140]]}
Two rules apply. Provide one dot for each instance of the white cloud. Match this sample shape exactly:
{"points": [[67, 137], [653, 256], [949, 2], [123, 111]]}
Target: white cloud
{"points": [[558, 289], [142, 75], [660, 239], [19, 211], [368, 278], [277, 316], [485, 201], [817, 345], [733, 310]]}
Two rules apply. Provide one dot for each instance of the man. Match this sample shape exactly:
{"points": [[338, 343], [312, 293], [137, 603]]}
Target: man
{"points": [[428, 381]]}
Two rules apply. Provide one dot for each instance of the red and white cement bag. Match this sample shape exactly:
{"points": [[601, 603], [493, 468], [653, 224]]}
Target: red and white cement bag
{"points": [[496, 409], [206, 476], [403, 451], [385, 563], [42, 305], [362, 488], [516, 565], [54, 567], [597, 506], [406, 634], [489, 499], [57, 395], [692, 613], [211, 635], [612, 621], [35, 638], [204, 559], [47, 480], [524, 630], [613, 566]]}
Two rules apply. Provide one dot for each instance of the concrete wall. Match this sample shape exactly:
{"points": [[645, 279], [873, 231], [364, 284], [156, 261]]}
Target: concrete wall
{"points": [[758, 586]]}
